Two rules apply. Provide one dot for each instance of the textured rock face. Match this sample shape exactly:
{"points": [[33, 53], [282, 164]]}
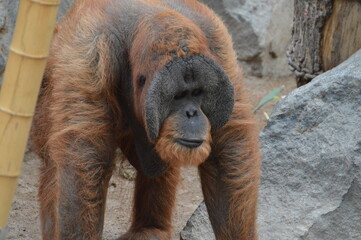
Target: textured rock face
{"points": [[8, 13], [198, 227], [8, 10], [311, 171], [312, 160], [261, 32]]}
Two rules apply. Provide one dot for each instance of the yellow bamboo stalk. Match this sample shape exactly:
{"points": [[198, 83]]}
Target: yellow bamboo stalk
{"points": [[22, 78]]}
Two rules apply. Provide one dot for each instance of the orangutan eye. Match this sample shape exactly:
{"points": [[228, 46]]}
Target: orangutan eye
{"points": [[180, 95], [197, 92], [141, 80]]}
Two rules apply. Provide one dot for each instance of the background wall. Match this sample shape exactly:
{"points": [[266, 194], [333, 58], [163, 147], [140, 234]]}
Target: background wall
{"points": [[261, 32]]}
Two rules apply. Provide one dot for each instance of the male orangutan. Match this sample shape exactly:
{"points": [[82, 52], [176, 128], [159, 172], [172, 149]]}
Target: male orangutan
{"points": [[159, 79]]}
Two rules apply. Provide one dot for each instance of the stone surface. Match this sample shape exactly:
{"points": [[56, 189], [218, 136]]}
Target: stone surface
{"points": [[311, 171], [261, 32], [8, 13], [63, 8], [198, 226], [312, 160]]}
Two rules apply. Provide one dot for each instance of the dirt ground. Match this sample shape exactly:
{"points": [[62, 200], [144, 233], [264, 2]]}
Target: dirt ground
{"points": [[24, 219]]}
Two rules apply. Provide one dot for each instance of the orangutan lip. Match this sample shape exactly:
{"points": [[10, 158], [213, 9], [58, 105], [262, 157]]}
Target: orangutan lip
{"points": [[190, 143]]}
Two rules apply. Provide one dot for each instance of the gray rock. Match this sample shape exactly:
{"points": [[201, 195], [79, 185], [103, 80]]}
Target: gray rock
{"points": [[261, 32], [8, 13], [198, 226], [312, 158], [311, 171], [64, 7], [2, 64], [3, 232]]}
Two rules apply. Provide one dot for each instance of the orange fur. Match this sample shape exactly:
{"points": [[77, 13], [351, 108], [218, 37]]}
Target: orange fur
{"points": [[81, 119], [176, 154], [154, 201], [166, 43]]}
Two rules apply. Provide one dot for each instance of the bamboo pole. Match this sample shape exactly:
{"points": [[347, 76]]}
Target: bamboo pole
{"points": [[22, 78]]}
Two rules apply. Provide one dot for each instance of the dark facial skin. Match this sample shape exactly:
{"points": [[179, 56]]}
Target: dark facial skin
{"points": [[194, 91], [191, 122], [197, 88]]}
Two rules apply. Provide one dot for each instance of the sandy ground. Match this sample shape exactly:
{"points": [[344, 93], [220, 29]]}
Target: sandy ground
{"points": [[24, 218]]}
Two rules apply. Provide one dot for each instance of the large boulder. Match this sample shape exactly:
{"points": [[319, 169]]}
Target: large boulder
{"points": [[311, 171], [261, 32], [311, 182], [8, 13]]}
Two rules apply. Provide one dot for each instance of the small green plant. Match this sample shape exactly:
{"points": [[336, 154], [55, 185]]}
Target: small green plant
{"points": [[270, 96]]}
